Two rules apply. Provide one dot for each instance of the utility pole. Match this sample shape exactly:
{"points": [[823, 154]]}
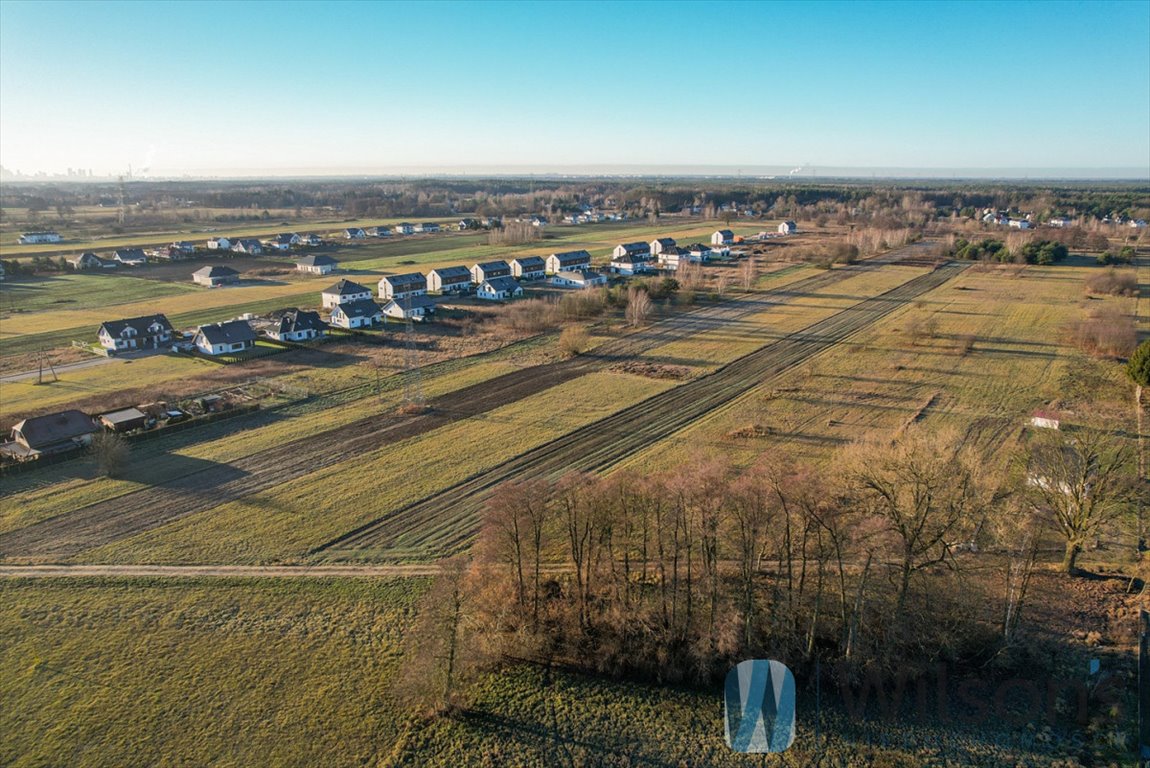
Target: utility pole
{"points": [[41, 358]]}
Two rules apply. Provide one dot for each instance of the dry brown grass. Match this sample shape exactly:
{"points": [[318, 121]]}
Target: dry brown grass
{"points": [[1113, 282]]}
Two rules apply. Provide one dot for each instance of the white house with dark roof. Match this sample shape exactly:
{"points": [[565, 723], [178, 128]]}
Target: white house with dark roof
{"points": [[292, 325], [130, 257], [489, 269], [658, 245], [404, 228], [363, 313], [247, 245], [628, 264], [354, 233], [317, 264], [147, 332], [788, 228], [427, 227], [400, 286], [89, 260], [186, 247], [224, 338], [379, 231], [311, 240], [215, 276], [344, 292], [568, 261], [418, 307], [529, 267], [578, 279], [723, 237], [499, 289], [449, 280], [283, 242], [219, 244], [638, 251]]}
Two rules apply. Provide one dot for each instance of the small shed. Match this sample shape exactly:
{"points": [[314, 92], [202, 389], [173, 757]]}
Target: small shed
{"points": [[124, 420]]}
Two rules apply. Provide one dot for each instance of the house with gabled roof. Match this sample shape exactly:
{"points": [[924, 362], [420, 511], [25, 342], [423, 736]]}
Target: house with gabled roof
{"points": [[659, 244], [130, 257], [788, 228], [568, 261], [404, 228], [637, 251], [311, 240], [344, 292], [417, 307], [283, 242], [89, 260], [670, 257], [629, 264], [215, 276], [399, 286], [219, 244], [147, 332], [578, 279], [529, 267], [354, 233], [316, 264], [722, 237], [427, 227], [363, 313], [224, 338], [379, 231], [247, 245], [291, 325], [186, 247], [449, 280], [489, 269], [53, 433], [499, 289]]}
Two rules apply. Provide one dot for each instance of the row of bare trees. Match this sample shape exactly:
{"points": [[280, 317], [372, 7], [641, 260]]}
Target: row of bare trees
{"points": [[676, 574]]}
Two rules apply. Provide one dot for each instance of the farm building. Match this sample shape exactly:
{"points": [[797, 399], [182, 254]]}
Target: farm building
{"points": [[130, 257], [219, 244], [401, 286], [39, 238], [248, 245], [416, 307], [723, 237], [292, 325], [568, 261], [578, 279], [89, 260], [788, 228], [54, 433], [354, 233], [363, 313], [222, 338], [317, 264], [499, 289], [404, 228], [379, 232], [215, 276], [124, 420], [449, 280], [344, 292], [311, 240], [147, 332], [528, 267], [659, 245], [489, 269]]}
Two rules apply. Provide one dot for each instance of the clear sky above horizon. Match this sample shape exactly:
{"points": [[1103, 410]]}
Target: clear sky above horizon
{"points": [[243, 88]]}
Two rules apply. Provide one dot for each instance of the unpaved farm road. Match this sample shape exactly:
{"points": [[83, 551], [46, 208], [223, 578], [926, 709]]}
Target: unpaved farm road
{"points": [[74, 531], [217, 571]]}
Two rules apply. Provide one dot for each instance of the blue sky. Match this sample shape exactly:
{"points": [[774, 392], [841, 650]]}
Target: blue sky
{"points": [[243, 88]]}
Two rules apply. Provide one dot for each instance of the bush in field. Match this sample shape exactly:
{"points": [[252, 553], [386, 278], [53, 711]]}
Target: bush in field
{"points": [[584, 304], [1106, 332], [111, 454], [574, 340], [1114, 282], [1124, 256]]}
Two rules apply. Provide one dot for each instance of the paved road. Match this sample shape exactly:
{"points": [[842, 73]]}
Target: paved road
{"points": [[60, 369]]}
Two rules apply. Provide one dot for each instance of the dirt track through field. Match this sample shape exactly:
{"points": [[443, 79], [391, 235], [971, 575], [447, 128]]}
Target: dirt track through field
{"points": [[447, 520], [70, 533]]}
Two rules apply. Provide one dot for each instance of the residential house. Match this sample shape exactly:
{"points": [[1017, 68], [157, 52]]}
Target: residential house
{"points": [[186, 247], [316, 264], [637, 251], [1061, 222], [39, 238], [89, 260], [1137, 224], [219, 244], [405, 228], [578, 279], [629, 264], [658, 245], [215, 276], [1019, 224], [427, 227], [539, 221], [354, 233], [669, 258], [489, 269], [292, 325], [54, 433], [224, 338], [344, 292], [499, 289], [415, 307], [400, 286], [723, 237], [466, 224], [379, 231], [697, 253], [247, 245], [169, 253], [147, 332], [788, 228], [529, 268], [283, 242], [568, 261], [449, 280], [363, 313], [130, 257], [311, 240]]}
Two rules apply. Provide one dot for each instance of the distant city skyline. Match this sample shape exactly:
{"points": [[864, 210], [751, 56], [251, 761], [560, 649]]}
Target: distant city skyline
{"points": [[931, 90]]}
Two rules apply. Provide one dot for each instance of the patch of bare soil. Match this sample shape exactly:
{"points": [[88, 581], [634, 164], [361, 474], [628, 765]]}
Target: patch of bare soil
{"points": [[653, 370]]}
